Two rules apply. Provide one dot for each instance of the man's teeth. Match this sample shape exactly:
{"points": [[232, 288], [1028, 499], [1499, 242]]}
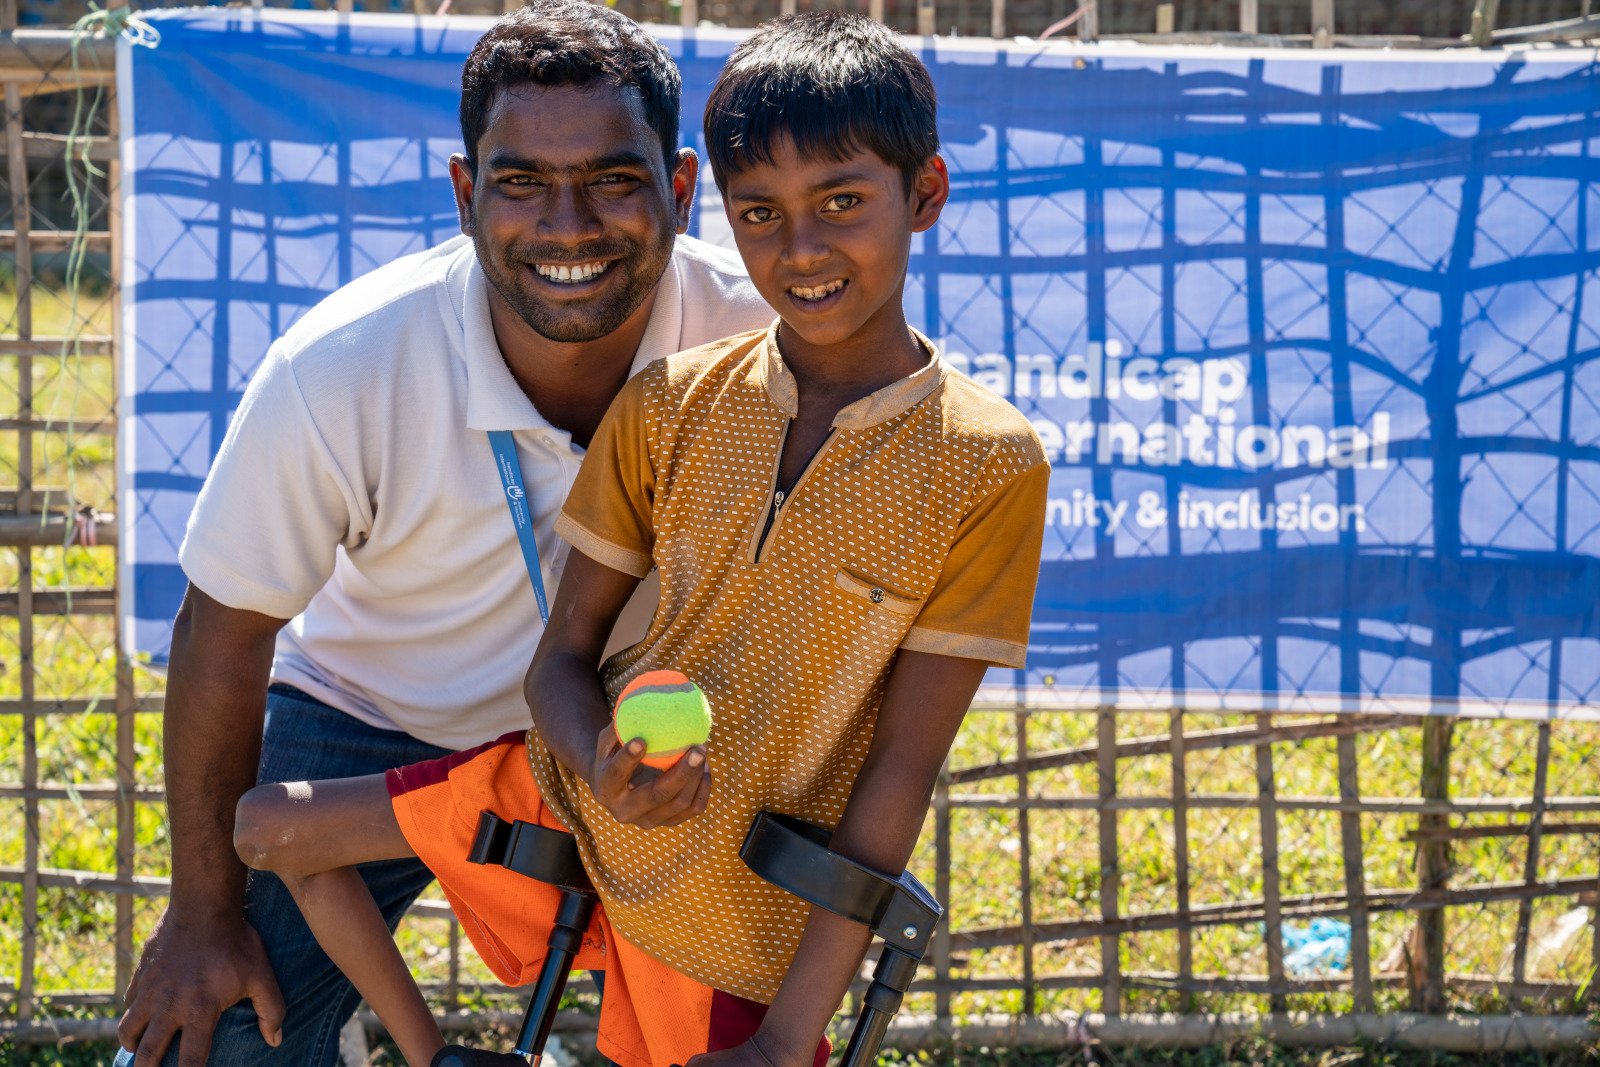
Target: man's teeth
{"points": [[561, 272], [817, 292]]}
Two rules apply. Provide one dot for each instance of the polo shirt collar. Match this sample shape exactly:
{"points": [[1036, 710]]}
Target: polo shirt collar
{"points": [[870, 410], [494, 399]]}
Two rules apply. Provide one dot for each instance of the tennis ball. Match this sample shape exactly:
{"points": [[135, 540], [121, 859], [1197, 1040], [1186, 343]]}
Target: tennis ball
{"points": [[668, 711]]}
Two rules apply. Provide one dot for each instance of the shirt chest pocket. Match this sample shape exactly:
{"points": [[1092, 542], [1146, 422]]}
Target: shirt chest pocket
{"points": [[881, 598]]}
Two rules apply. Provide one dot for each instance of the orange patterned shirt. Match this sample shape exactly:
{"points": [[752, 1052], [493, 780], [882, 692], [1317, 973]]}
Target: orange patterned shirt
{"points": [[917, 525]]}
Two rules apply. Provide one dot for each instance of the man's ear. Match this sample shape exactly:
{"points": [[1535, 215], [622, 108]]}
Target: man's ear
{"points": [[685, 180], [462, 178], [929, 191]]}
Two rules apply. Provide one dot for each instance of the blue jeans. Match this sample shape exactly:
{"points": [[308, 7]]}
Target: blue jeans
{"points": [[307, 740]]}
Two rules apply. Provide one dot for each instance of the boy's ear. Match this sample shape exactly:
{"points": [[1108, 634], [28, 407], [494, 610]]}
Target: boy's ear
{"points": [[929, 191], [685, 180]]}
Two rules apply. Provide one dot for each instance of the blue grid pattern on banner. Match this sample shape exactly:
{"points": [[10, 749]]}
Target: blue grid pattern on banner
{"points": [[1311, 340], [1307, 341]]}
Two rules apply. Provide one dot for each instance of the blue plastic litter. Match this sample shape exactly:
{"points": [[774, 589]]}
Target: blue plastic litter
{"points": [[1316, 948]]}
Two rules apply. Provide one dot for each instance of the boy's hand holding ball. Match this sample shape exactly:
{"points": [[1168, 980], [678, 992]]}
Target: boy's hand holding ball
{"points": [[661, 721]]}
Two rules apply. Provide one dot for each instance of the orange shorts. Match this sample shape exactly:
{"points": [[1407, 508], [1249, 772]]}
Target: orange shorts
{"points": [[650, 1015]]}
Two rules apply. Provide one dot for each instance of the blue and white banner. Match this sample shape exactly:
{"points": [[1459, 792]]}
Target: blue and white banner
{"points": [[1311, 337]]}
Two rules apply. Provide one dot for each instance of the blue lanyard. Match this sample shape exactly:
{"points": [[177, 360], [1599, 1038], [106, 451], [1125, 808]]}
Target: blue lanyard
{"points": [[510, 468]]}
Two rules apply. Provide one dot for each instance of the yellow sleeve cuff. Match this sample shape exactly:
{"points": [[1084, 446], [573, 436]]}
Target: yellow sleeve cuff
{"points": [[966, 646], [602, 551]]}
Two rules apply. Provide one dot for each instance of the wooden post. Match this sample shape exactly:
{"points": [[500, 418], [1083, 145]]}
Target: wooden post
{"points": [[1025, 864], [689, 14], [1110, 871], [1321, 23], [1541, 775], [997, 19], [452, 987], [1166, 18], [1433, 868], [1089, 25], [927, 15], [1267, 789], [127, 703], [875, 10], [1485, 13], [1355, 879], [1594, 951], [1249, 16], [21, 225], [1180, 851]]}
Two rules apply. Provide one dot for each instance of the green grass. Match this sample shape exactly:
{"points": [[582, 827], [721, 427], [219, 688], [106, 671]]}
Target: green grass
{"points": [[74, 658]]}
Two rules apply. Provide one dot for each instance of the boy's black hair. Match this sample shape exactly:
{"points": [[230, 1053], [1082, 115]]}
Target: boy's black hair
{"points": [[569, 42], [832, 82]]}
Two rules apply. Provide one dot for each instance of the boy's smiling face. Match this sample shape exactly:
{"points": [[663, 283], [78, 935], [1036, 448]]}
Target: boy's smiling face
{"points": [[826, 241]]}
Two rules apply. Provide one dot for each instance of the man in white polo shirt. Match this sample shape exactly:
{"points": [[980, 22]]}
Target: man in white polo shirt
{"points": [[353, 544]]}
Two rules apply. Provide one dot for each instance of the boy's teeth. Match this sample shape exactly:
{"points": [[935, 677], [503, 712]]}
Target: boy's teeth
{"points": [[560, 272], [817, 292]]}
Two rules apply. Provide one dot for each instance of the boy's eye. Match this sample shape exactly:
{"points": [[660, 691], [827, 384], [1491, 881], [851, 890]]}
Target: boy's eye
{"points": [[842, 202], [758, 214]]}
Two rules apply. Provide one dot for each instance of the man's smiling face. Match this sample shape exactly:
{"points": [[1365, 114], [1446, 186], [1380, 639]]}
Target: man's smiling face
{"points": [[572, 210]]}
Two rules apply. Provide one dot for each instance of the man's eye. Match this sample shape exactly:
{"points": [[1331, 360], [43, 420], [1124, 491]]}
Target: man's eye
{"points": [[520, 179], [758, 214], [842, 202], [616, 179]]}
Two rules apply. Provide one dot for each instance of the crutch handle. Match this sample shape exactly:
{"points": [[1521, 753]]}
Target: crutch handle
{"points": [[794, 855], [548, 856]]}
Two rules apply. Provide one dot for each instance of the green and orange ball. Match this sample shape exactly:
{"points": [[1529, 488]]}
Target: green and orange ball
{"points": [[667, 711]]}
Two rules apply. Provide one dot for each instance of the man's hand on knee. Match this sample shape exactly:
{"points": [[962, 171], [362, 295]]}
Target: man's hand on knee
{"points": [[189, 974]]}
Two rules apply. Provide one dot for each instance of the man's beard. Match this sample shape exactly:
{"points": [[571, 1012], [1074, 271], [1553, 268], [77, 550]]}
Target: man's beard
{"points": [[588, 320]]}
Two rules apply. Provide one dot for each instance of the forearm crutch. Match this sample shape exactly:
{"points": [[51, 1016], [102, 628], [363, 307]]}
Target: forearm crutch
{"points": [[788, 852], [548, 856], [793, 854]]}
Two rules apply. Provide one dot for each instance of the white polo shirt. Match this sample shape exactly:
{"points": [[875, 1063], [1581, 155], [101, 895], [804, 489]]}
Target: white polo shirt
{"points": [[356, 492]]}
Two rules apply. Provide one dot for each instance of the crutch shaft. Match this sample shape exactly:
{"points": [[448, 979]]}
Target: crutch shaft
{"points": [[893, 975], [866, 1038], [566, 938]]}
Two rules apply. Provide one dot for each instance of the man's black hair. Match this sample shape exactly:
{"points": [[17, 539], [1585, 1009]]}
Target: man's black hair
{"points": [[569, 42], [832, 82]]}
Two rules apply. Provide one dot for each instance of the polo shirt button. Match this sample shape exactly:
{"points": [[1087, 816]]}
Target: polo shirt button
{"points": [[877, 596]]}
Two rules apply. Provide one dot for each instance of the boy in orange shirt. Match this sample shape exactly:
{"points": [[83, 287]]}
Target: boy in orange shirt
{"points": [[847, 532]]}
